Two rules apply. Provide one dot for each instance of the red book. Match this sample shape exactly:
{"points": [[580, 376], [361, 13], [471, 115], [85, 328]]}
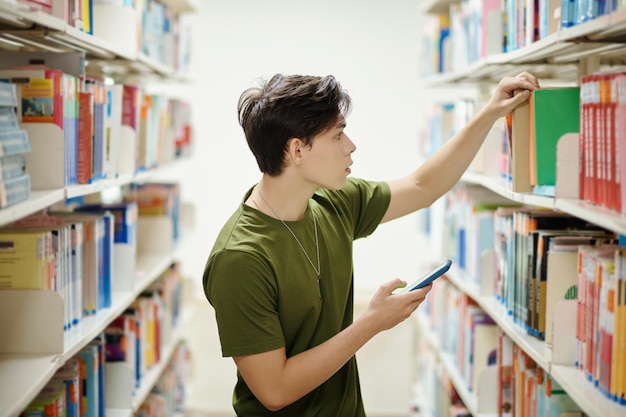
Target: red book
{"points": [[85, 137]]}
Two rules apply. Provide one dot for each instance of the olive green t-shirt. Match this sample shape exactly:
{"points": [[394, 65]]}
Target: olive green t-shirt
{"points": [[266, 294]]}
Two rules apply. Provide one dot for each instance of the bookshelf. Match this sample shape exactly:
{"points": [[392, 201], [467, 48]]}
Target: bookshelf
{"points": [[560, 58], [29, 361], [556, 56]]}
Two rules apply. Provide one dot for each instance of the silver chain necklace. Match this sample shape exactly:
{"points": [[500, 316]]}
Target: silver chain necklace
{"points": [[317, 270]]}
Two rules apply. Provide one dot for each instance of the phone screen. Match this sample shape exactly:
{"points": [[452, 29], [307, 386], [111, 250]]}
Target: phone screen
{"points": [[430, 277]]}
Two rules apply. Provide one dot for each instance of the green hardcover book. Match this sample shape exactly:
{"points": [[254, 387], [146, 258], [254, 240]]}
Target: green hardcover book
{"points": [[556, 111]]}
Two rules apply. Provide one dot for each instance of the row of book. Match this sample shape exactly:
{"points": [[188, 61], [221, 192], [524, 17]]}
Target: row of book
{"points": [[136, 338], [79, 387], [91, 124], [435, 394], [525, 389], [14, 145], [602, 111], [168, 395], [477, 345], [540, 258], [525, 151], [601, 318], [73, 252], [156, 29], [76, 13], [158, 199], [464, 331], [70, 253], [474, 29]]}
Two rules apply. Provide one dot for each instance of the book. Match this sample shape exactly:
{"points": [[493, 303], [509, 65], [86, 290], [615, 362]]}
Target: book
{"points": [[554, 278], [12, 166], [65, 277], [555, 112], [125, 215], [14, 190], [27, 261], [505, 370], [49, 96], [95, 87], [520, 148], [8, 119], [94, 268], [484, 344], [69, 374], [90, 402], [85, 169], [8, 95], [112, 129], [13, 141]]}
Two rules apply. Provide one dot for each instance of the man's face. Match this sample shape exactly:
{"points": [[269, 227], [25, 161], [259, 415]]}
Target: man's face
{"points": [[328, 157]]}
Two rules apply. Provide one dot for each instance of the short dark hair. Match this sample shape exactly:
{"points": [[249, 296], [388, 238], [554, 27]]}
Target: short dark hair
{"points": [[285, 107]]}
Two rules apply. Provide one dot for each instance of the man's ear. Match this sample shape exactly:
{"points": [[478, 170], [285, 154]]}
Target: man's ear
{"points": [[294, 149]]}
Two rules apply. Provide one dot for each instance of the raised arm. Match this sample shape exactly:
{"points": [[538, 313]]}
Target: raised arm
{"points": [[278, 381], [439, 173]]}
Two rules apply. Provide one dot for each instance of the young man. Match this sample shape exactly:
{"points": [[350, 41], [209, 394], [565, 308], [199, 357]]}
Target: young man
{"points": [[280, 273]]}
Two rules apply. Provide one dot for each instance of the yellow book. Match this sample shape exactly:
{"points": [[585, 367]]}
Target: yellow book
{"points": [[25, 260]]}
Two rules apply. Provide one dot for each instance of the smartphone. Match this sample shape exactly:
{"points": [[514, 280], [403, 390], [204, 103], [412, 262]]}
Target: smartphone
{"points": [[441, 269]]}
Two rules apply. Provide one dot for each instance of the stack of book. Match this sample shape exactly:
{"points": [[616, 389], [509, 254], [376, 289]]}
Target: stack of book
{"points": [[14, 144]]}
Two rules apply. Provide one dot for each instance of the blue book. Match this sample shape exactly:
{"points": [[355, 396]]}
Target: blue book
{"points": [[8, 118], [107, 258], [568, 13], [125, 214], [12, 166], [8, 95], [13, 141], [91, 391], [98, 342]]}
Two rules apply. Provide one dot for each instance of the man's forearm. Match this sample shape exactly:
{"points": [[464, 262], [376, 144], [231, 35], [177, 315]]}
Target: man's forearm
{"points": [[446, 166]]}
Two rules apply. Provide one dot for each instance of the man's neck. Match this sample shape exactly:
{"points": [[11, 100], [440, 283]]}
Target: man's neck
{"points": [[280, 198]]}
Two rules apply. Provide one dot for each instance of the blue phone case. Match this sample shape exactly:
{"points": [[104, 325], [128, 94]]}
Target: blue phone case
{"points": [[430, 277]]}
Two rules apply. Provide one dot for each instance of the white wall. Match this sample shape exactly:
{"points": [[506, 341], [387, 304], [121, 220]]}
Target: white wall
{"points": [[372, 47]]}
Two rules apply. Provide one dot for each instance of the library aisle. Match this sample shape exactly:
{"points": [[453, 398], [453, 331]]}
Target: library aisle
{"points": [[530, 319], [121, 157]]}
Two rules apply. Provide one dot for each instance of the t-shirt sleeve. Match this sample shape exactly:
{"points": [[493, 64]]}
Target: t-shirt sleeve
{"points": [[240, 289], [365, 202]]}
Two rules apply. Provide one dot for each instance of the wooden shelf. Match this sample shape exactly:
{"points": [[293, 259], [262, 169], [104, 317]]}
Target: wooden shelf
{"points": [[21, 378], [27, 374], [600, 216], [582, 391], [38, 201], [500, 187], [41, 199]]}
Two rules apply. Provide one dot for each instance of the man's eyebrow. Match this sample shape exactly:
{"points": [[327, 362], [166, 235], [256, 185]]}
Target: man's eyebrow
{"points": [[341, 124]]}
